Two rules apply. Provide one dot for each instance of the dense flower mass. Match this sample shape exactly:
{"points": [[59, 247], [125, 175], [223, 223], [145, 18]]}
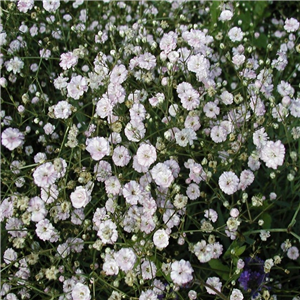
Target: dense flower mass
{"points": [[150, 149]]}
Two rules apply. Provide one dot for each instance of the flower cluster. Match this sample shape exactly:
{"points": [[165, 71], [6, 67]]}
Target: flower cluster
{"points": [[150, 150]]}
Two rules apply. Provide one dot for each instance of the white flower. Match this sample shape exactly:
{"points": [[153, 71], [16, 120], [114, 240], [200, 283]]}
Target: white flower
{"points": [[62, 110], [293, 253], [15, 64], [291, 25], [98, 147], [125, 258], [225, 15], [236, 295], [81, 292], [80, 197], [146, 155], [215, 283], [181, 272], [273, 154], [235, 34], [228, 183], [12, 138], [108, 232], [9, 256], [51, 5], [162, 175], [161, 239]]}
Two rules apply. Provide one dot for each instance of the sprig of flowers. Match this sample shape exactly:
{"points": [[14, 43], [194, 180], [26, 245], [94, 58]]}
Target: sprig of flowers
{"points": [[150, 150]]}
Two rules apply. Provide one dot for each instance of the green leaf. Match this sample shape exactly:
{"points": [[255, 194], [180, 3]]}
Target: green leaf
{"points": [[240, 250], [261, 41], [221, 269], [267, 220], [236, 249], [215, 11], [260, 7]]}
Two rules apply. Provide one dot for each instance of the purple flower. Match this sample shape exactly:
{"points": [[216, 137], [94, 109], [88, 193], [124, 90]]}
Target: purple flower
{"points": [[253, 276]]}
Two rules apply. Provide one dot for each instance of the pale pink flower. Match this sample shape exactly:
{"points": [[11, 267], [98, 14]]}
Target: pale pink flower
{"points": [[225, 15], [12, 138], [25, 5], [258, 106], [102, 170], [116, 93], [293, 253], [228, 183], [193, 191], [168, 42], [62, 110], [161, 239], [285, 89], [51, 5], [132, 192], [77, 86], [198, 64], [211, 215], [215, 283], [218, 134], [157, 99], [273, 154], [3, 81], [14, 64], [236, 295], [104, 107], [125, 258], [182, 88], [108, 232], [137, 111], [80, 197], [291, 25], [81, 292], [246, 178], [162, 175], [6, 209], [211, 110], [147, 61], [118, 74], [234, 212], [15, 227], [253, 161], [295, 107], [146, 155], [98, 147], [137, 167], [45, 230], [196, 38], [148, 295], [226, 97], [181, 272], [9, 256], [45, 175], [238, 59], [112, 185], [192, 122], [235, 34], [148, 270], [68, 60], [60, 82], [121, 156], [135, 130], [110, 266], [190, 99], [49, 128], [36, 207]]}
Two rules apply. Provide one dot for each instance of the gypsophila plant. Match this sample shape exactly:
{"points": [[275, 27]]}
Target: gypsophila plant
{"points": [[150, 150]]}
